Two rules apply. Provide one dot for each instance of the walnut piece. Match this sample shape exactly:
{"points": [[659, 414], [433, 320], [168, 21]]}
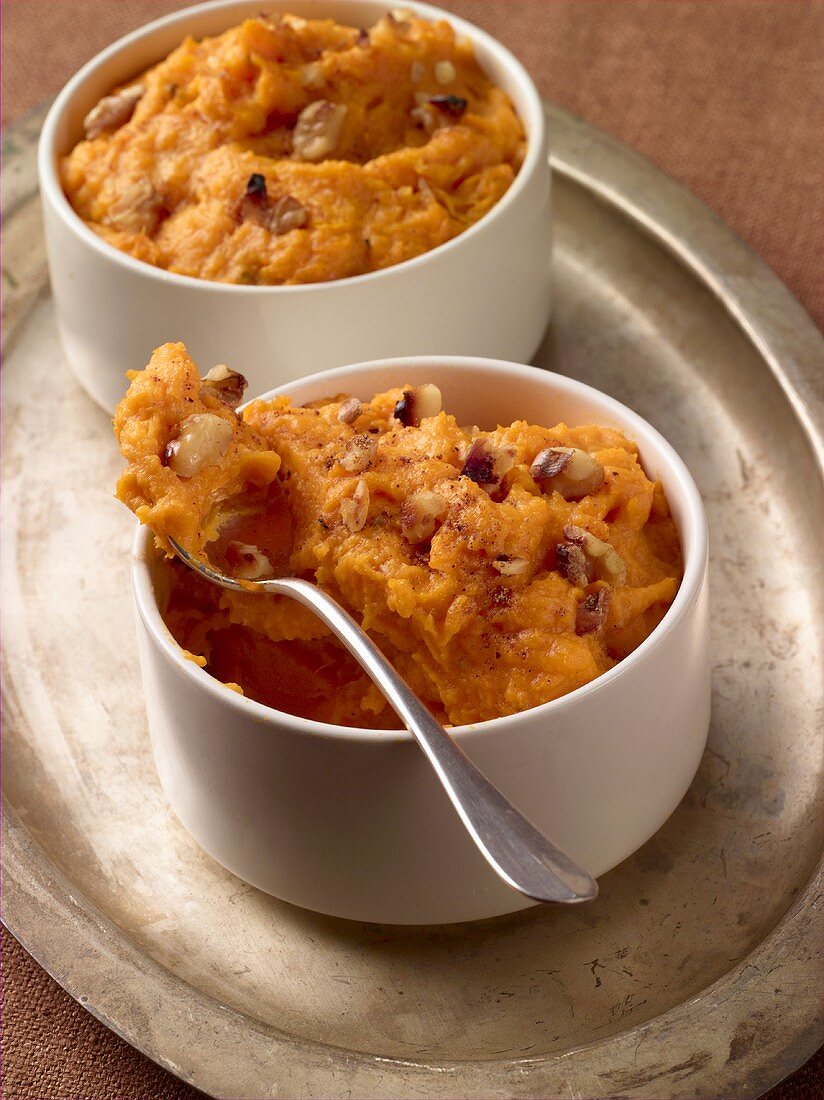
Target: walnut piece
{"points": [[420, 514], [606, 561], [359, 454], [112, 112], [247, 563], [137, 208], [226, 384], [592, 612], [573, 564], [452, 105], [311, 75], [350, 410], [354, 510], [418, 404], [279, 215], [486, 464], [202, 441], [567, 470], [425, 117], [318, 130], [510, 567]]}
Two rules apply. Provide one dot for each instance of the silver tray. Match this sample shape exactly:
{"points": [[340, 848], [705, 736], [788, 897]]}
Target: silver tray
{"points": [[697, 972]]}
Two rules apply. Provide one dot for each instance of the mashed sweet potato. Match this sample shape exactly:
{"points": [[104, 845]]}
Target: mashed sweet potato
{"points": [[297, 151], [497, 569]]}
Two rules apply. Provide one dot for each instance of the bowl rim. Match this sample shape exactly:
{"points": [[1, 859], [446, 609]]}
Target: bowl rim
{"points": [[533, 119], [694, 535]]}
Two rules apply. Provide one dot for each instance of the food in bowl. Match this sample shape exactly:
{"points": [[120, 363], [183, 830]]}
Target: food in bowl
{"points": [[497, 570], [288, 150]]}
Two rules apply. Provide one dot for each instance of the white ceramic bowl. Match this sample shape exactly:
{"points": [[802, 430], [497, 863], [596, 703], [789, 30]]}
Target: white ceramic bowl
{"points": [[352, 822], [486, 292]]}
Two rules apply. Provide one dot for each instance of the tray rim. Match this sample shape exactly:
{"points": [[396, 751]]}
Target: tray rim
{"points": [[82, 949]]}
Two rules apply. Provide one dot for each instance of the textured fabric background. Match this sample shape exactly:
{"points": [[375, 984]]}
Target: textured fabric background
{"points": [[724, 95]]}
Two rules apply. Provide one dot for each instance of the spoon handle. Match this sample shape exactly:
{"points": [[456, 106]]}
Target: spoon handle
{"points": [[524, 858]]}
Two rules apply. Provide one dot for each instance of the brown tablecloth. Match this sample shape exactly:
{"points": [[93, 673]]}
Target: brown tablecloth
{"points": [[725, 95]]}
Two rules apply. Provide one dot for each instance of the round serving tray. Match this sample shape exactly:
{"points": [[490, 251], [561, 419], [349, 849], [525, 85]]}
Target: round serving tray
{"points": [[697, 971]]}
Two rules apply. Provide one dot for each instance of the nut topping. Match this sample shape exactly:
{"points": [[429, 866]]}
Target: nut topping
{"points": [[311, 75], [359, 454], [247, 562], [510, 567], [418, 404], [445, 72], [137, 208], [112, 112], [435, 111], [350, 410], [573, 564], [420, 514], [286, 214], [568, 470], [202, 441], [226, 384], [279, 215], [452, 105], [592, 612], [607, 562], [417, 72], [424, 118], [318, 130], [486, 465], [354, 510]]}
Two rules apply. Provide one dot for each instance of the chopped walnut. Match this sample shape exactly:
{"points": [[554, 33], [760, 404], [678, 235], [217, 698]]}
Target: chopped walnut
{"points": [[137, 208], [112, 112], [592, 612], [202, 441], [247, 563], [607, 562], [359, 454], [420, 514], [425, 117], [279, 215], [417, 72], [445, 72], [354, 510], [418, 404], [452, 105], [311, 75], [226, 384], [510, 567], [350, 410], [486, 464], [568, 470], [433, 112], [573, 564], [287, 214], [318, 130]]}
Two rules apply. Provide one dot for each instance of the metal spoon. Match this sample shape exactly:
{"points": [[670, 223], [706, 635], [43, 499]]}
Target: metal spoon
{"points": [[513, 848]]}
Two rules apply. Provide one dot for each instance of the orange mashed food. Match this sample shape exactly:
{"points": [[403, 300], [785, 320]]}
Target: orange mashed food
{"points": [[496, 569], [289, 150]]}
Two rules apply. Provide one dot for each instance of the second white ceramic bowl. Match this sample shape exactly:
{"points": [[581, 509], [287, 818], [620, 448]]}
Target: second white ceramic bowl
{"points": [[486, 292], [352, 822]]}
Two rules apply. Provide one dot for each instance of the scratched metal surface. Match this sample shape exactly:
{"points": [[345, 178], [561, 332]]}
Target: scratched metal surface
{"points": [[694, 974]]}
